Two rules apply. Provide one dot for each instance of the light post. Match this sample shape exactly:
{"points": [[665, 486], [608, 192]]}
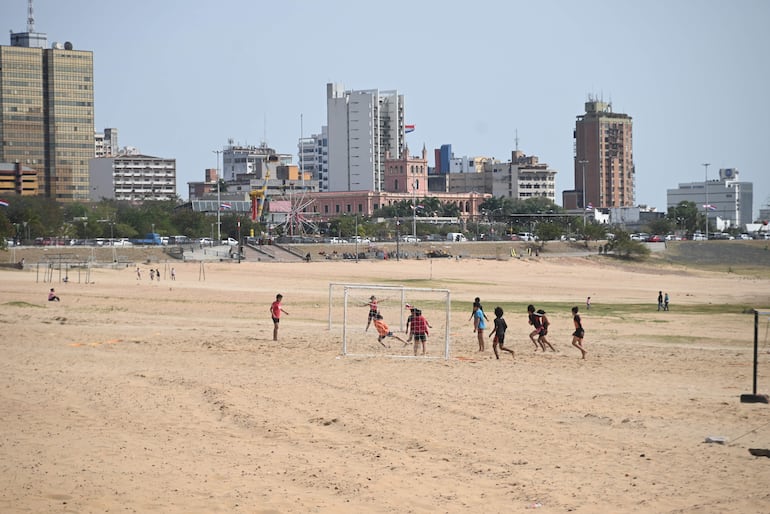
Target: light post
{"points": [[414, 210], [583, 163], [219, 203], [706, 191]]}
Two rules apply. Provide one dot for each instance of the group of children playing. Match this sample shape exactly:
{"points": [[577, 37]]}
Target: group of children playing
{"points": [[536, 318], [417, 328]]}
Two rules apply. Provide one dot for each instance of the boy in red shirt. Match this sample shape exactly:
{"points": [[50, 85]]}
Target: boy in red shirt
{"points": [[275, 312]]}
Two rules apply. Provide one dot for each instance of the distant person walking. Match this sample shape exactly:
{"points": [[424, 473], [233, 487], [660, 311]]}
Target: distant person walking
{"points": [[660, 300], [499, 333], [52, 296], [588, 303], [173, 274], [579, 333], [138, 273], [275, 312], [665, 302]]}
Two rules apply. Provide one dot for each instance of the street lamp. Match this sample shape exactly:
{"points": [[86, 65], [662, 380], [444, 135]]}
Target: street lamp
{"points": [[219, 204], [583, 163], [706, 192]]}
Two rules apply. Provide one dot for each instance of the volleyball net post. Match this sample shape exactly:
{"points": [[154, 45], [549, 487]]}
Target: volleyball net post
{"points": [[754, 397]]}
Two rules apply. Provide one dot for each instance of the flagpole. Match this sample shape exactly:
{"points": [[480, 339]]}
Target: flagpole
{"points": [[706, 205]]}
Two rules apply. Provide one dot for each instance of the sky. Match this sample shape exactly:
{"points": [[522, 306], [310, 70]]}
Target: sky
{"points": [[179, 79]]}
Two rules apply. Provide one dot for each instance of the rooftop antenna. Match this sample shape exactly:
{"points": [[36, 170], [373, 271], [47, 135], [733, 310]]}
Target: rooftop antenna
{"points": [[516, 140], [30, 17]]}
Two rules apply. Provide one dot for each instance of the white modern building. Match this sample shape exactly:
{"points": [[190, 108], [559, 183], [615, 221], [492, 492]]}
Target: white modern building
{"points": [[313, 153], [106, 143], [363, 127], [726, 200], [132, 177], [247, 160]]}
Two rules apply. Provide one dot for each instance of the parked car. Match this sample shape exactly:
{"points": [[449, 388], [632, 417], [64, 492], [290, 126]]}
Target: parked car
{"points": [[410, 239], [655, 239], [527, 236], [361, 240], [230, 241]]}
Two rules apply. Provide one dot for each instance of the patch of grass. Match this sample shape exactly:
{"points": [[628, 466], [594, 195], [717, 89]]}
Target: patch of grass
{"points": [[22, 304]]}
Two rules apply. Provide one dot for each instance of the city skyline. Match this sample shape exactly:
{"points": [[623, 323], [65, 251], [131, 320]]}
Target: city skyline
{"points": [[179, 83]]}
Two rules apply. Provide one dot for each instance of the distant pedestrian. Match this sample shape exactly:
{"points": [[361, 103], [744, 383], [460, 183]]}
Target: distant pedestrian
{"points": [[157, 274], [499, 333], [152, 274], [579, 333], [275, 312], [660, 300], [665, 302], [138, 273], [588, 303], [173, 274], [52, 296]]}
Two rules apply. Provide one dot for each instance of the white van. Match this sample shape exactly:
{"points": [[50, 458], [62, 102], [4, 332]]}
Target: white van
{"points": [[456, 237]]}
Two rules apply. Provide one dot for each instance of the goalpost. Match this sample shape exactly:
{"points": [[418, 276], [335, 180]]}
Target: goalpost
{"points": [[392, 301], [754, 397]]}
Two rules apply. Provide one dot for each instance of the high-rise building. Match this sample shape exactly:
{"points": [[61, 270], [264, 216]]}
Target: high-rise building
{"points": [[313, 153], [47, 112], [133, 177], [604, 159], [106, 143], [364, 127]]}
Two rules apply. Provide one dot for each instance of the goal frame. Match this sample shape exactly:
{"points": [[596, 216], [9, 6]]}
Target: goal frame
{"points": [[403, 289]]}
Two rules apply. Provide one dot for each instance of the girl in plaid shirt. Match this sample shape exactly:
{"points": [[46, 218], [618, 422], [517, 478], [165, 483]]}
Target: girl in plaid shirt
{"points": [[420, 328]]}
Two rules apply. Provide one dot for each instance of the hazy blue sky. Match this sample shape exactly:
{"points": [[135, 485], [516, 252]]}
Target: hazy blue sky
{"points": [[178, 78]]}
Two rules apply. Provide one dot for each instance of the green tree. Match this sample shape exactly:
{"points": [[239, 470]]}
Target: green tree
{"points": [[624, 247], [685, 217]]}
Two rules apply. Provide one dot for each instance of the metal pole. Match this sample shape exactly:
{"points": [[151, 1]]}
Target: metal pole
{"points": [[583, 163], [219, 204], [706, 205], [756, 354]]}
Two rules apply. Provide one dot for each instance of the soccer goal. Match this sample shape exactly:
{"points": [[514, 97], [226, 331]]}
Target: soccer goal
{"points": [[754, 397], [394, 303]]}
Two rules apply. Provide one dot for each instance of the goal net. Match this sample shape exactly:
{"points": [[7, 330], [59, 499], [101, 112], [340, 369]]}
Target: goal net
{"points": [[349, 304]]}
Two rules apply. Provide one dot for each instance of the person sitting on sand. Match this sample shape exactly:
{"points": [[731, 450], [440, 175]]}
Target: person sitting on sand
{"points": [[52, 296]]}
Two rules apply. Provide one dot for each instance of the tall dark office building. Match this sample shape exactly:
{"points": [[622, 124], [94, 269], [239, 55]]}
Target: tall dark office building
{"points": [[47, 112], [604, 159]]}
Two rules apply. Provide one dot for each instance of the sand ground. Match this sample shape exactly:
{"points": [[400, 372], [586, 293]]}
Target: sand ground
{"points": [[139, 396]]}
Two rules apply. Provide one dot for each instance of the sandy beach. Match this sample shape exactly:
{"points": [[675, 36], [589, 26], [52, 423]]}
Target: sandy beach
{"points": [[171, 396]]}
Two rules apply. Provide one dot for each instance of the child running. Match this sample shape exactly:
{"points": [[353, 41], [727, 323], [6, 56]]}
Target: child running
{"points": [[577, 335], [537, 325], [384, 331], [499, 333], [544, 332]]}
